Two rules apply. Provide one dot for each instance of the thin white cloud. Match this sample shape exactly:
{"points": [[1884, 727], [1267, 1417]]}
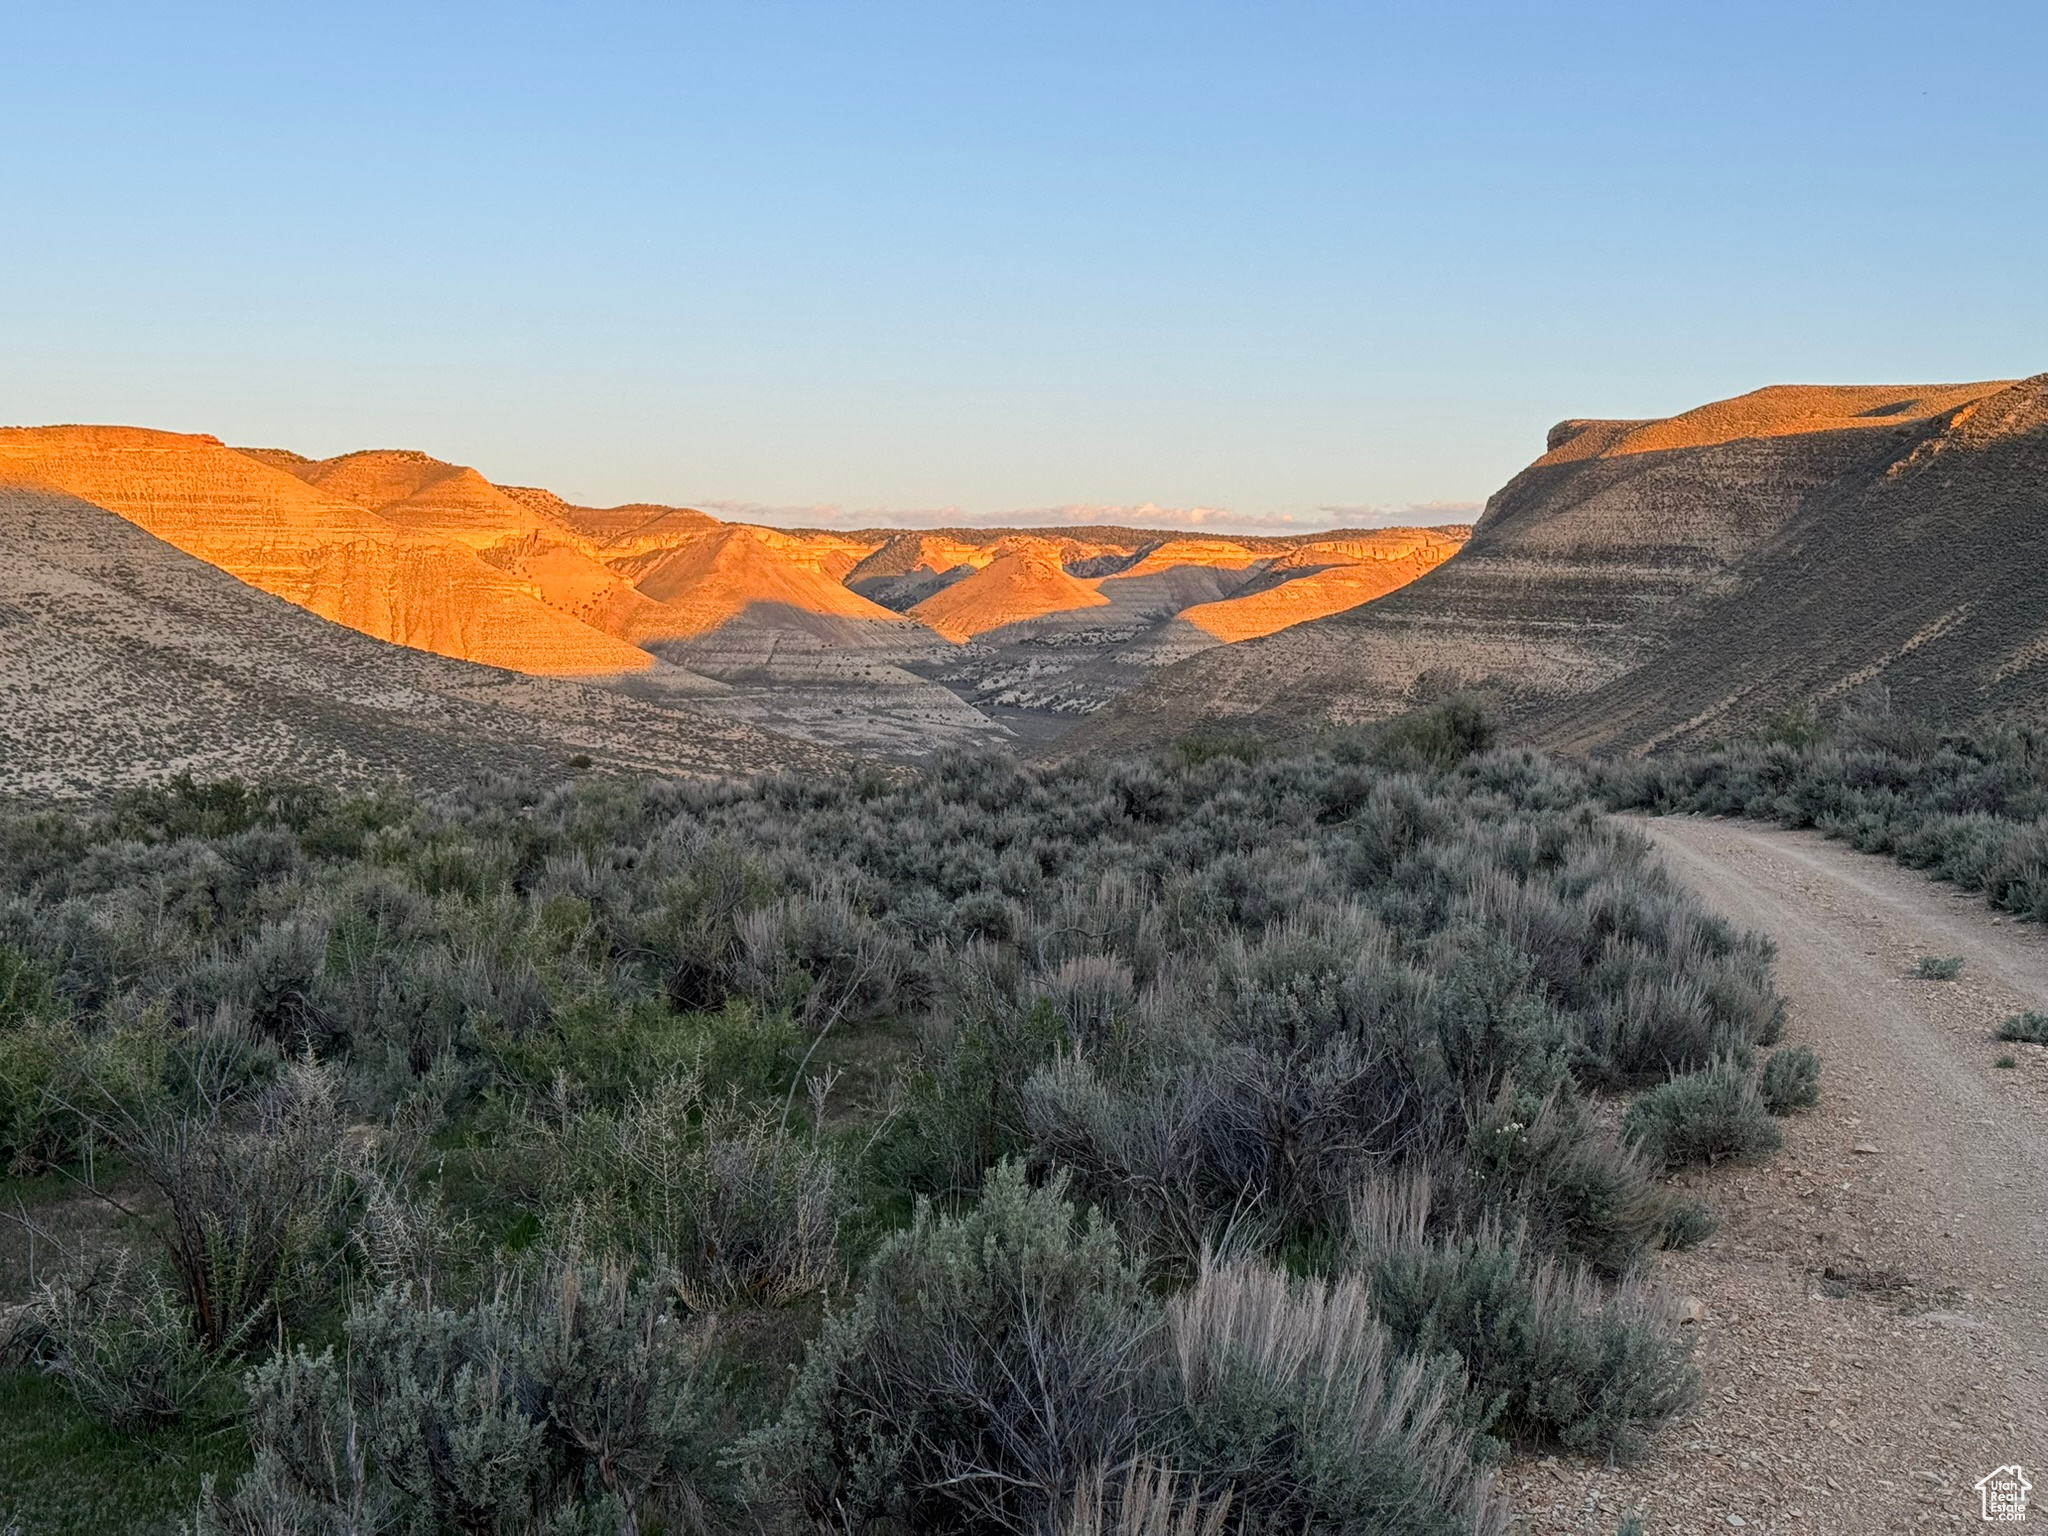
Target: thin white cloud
{"points": [[1094, 514], [1417, 513]]}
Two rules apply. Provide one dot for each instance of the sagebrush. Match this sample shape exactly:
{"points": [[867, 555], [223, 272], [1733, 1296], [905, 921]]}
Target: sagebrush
{"points": [[880, 1084]]}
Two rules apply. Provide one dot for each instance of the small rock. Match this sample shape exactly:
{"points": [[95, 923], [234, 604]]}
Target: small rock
{"points": [[1691, 1310], [1865, 1149], [1737, 1521]]}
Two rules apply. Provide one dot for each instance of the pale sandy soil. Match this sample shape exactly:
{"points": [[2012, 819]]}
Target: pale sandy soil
{"points": [[1875, 1328]]}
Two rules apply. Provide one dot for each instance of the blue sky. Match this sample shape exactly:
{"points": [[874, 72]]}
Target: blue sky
{"points": [[1245, 265]]}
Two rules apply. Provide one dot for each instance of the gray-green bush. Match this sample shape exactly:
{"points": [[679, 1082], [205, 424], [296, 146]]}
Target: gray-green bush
{"points": [[1790, 1079], [1552, 1357], [570, 1391], [1713, 1115], [734, 1205], [992, 1364], [1971, 808], [2029, 1027]]}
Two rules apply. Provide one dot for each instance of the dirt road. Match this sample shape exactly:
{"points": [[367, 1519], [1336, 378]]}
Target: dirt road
{"points": [[1874, 1309]]}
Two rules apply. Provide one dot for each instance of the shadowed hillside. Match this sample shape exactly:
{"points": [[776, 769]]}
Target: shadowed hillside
{"points": [[1666, 581], [125, 661]]}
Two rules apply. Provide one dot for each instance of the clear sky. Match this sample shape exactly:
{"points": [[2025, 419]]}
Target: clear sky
{"points": [[1245, 264]]}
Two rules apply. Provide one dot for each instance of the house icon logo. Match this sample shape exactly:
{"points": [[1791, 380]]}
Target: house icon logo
{"points": [[2004, 1495]]}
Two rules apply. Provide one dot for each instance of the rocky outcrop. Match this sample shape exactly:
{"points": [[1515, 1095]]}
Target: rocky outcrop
{"points": [[1653, 582]]}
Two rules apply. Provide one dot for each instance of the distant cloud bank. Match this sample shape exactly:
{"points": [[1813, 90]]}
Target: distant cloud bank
{"points": [[1086, 514]]}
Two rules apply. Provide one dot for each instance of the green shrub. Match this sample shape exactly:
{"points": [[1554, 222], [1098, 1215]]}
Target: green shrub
{"points": [[605, 1049], [2030, 1028], [965, 1109], [1440, 736], [1686, 1224], [1938, 968], [1790, 1080], [1551, 1357], [36, 1132], [1709, 1116], [1550, 1167], [27, 990], [1210, 742], [991, 1362], [54, 1082]]}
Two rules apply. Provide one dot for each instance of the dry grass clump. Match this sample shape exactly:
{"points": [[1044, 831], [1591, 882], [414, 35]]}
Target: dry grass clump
{"points": [[1150, 1501], [1293, 1394]]}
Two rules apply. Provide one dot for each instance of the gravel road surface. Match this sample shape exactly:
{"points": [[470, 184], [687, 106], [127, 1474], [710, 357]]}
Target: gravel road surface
{"points": [[1873, 1312]]}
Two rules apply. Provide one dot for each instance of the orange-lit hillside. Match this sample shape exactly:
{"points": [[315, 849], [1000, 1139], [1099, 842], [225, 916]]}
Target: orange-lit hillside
{"points": [[910, 554], [735, 573], [1024, 583], [321, 551], [1319, 579], [532, 536], [409, 548], [1781, 410]]}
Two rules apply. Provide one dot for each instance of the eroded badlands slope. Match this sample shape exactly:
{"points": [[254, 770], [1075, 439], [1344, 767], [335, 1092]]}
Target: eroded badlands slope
{"points": [[882, 640], [124, 660], [1680, 579], [325, 553]]}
